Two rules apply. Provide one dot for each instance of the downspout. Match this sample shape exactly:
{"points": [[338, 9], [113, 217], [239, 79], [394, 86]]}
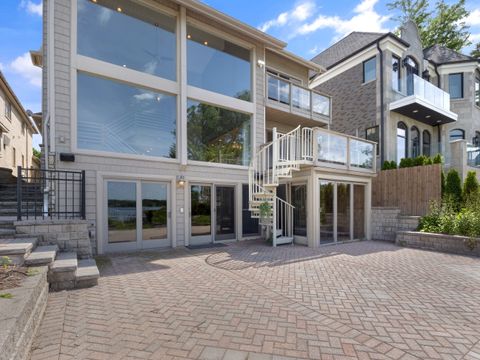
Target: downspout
{"points": [[439, 126], [382, 112]]}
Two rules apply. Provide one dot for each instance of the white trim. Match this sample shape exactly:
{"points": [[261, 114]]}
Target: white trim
{"points": [[51, 74], [393, 46], [182, 63], [115, 155], [413, 99], [216, 99], [217, 165], [155, 6], [446, 69]]}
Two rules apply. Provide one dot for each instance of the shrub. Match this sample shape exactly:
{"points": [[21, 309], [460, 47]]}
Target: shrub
{"points": [[438, 159], [386, 165], [420, 160], [467, 223], [470, 186], [393, 164], [443, 183], [429, 161], [406, 162], [453, 187]]}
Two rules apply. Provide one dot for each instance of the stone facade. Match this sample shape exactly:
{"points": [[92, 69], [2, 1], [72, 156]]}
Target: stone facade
{"points": [[439, 242], [68, 235], [387, 221]]}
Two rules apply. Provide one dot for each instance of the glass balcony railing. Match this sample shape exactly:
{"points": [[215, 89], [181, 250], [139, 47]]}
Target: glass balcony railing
{"points": [[473, 156], [428, 92], [297, 97], [339, 150]]}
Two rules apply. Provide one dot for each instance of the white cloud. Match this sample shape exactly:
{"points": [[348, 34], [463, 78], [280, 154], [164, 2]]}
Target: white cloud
{"points": [[474, 18], [23, 66], [299, 13], [366, 18], [32, 7], [2, 67]]}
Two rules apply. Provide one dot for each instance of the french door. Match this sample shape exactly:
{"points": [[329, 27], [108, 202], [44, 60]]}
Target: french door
{"points": [[137, 215], [212, 213]]}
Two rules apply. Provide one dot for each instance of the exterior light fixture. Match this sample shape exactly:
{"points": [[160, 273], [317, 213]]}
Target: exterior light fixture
{"points": [[181, 180], [119, 9], [428, 116], [94, 1], [415, 111], [261, 64], [189, 36], [205, 43]]}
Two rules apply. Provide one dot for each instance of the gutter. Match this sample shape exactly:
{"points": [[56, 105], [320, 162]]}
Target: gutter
{"points": [[382, 111], [439, 126]]}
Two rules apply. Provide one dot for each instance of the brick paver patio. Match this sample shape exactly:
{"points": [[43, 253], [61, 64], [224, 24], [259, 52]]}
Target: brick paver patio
{"points": [[367, 300]]}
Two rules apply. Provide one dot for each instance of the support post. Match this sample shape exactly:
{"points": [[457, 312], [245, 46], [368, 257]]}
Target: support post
{"points": [[19, 193]]}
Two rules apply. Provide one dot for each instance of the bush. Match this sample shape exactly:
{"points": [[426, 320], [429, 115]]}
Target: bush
{"points": [[470, 186], [406, 163], [453, 187], [420, 160], [389, 165], [438, 159]]}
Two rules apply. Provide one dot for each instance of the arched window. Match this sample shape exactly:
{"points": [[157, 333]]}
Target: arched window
{"points": [[415, 134], [402, 141], [427, 143], [457, 134]]}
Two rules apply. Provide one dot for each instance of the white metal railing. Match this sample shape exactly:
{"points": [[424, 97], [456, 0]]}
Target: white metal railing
{"points": [[429, 92], [296, 96], [284, 218]]}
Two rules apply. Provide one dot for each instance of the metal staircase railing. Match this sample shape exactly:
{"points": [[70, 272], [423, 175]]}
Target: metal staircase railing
{"points": [[272, 162]]}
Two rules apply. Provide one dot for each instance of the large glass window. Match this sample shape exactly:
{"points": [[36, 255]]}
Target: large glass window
{"points": [[455, 85], [121, 118], [122, 211], [327, 213], [427, 143], [299, 200], [332, 148], [218, 135], [250, 226], [369, 70], [112, 31], [154, 211], [343, 212], [218, 65], [477, 91], [373, 134], [457, 134], [396, 75], [415, 134], [402, 148]]}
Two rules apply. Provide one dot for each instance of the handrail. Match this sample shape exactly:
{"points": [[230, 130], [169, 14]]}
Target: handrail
{"points": [[298, 85]]}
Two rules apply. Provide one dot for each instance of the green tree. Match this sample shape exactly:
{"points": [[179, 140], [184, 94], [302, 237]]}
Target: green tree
{"points": [[445, 26], [476, 51], [37, 153], [470, 186], [453, 188]]}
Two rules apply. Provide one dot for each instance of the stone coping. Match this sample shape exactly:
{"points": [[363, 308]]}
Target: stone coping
{"points": [[437, 235], [50, 222], [21, 315]]}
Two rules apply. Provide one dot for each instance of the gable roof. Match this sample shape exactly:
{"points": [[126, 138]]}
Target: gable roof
{"points": [[350, 45], [439, 54]]}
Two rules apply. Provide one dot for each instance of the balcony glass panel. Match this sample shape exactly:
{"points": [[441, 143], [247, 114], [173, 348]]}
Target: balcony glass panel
{"points": [[321, 104], [120, 118], [361, 154], [278, 90], [473, 156], [429, 92], [133, 37], [300, 98], [218, 65], [332, 148]]}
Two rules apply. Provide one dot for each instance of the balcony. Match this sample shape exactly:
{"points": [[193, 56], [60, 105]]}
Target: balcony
{"points": [[291, 98], [424, 102], [473, 156]]}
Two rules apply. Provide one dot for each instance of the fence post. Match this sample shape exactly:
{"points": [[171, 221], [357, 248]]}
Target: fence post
{"points": [[19, 193], [83, 196]]}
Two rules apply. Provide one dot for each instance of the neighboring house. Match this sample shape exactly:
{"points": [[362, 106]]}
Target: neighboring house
{"points": [[410, 100], [16, 131], [171, 108]]}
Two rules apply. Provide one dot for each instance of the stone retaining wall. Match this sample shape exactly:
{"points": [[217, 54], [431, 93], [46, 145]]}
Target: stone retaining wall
{"points": [[21, 315], [387, 221], [439, 242], [69, 235]]}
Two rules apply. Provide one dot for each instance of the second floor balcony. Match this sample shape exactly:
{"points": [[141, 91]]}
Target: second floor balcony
{"points": [[292, 98], [425, 102]]}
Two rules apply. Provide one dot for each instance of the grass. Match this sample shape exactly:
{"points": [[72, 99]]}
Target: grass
{"points": [[6, 296], [103, 261]]}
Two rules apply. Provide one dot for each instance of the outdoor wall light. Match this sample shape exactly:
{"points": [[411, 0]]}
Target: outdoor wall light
{"points": [[180, 180], [261, 64]]}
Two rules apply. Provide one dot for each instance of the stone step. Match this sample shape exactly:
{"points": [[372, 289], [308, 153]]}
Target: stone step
{"points": [[17, 249], [284, 240], [42, 255], [87, 274], [7, 233], [61, 274]]}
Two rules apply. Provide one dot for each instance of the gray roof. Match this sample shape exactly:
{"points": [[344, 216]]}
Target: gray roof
{"points": [[346, 47], [442, 55]]}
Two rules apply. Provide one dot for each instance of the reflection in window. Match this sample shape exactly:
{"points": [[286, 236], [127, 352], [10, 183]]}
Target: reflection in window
{"points": [[321, 104], [120, 118], [455, 85], [250, 226], [457, 134], [278, 90], [327, 212], [361, 154], [120, 38], [154, 211], [477, 91], [343, 211], [369, 70], [332, 148], [427, 143], [122, 211], [218, 65], [217, 135], [373, 134], [299, 200], [402, 148], [415, 134]]}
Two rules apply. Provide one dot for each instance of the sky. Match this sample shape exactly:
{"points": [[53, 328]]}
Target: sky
{"points": [[308, 26]]}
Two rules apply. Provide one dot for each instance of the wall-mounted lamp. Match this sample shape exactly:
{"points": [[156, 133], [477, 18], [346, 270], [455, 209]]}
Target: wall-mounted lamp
{"points": [[180, 180], [261, 64]]}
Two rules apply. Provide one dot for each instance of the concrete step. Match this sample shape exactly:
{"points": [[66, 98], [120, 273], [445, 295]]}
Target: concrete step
{"points": [[42, 255], [17, 249], [87, 274], [7, 233], [61, 274], [284, 240]]}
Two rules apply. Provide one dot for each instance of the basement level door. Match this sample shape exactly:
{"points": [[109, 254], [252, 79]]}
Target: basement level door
{"points": [[138, 215]]}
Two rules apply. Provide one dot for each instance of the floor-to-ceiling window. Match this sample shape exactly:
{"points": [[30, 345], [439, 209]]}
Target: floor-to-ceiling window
{"points": [[299, 201], [343, 212], [402, 141], [415, 135], [250, 226], [427, 143], [326, 212]]}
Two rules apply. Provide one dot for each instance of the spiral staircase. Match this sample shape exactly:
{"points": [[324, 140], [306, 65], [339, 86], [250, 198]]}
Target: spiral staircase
{"points": [[273, 162]]}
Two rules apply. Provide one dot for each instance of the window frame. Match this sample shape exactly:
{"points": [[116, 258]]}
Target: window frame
{"points": [[377, 131], [476, 92], [426, 132], [462, 85], [8, 110], [456, 129], [364, 81], [402, 125], [418, 148]]}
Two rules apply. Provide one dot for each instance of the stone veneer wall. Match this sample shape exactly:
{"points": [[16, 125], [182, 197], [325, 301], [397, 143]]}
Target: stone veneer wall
{"points": [[69, 235], [439, 242], [387, 221]]}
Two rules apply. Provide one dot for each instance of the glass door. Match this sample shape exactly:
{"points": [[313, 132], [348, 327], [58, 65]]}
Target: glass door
{"points": [[201, 214], [327, 224], [155, 214], [225, 213], [121, 215]]}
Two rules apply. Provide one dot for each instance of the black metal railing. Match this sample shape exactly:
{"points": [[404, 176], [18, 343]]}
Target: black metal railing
{"points": [[50, 194]]}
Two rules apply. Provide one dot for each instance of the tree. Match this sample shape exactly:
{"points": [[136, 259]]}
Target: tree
{"points": [[470, 186], [476, 51], [453, 188], [37, 153], [445, 26]]}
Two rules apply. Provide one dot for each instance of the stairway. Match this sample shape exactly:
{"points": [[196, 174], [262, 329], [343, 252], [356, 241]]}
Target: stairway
{"points": [[272, 162], [32, 199], [65, 271]]}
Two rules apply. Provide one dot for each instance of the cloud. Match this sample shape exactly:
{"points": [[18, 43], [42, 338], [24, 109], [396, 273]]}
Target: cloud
{"points": [[146, 96], [2, 67], [474, 18], [23, 66], [301, 12], [32, 7], [366, 18]]}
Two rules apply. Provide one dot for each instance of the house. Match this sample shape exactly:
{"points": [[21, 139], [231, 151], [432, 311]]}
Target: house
{"points": [[193, 127], [410, 100], [16, 131]]}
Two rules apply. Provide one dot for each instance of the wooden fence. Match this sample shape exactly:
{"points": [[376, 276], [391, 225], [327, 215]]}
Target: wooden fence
{"points": [[410, 189]]}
